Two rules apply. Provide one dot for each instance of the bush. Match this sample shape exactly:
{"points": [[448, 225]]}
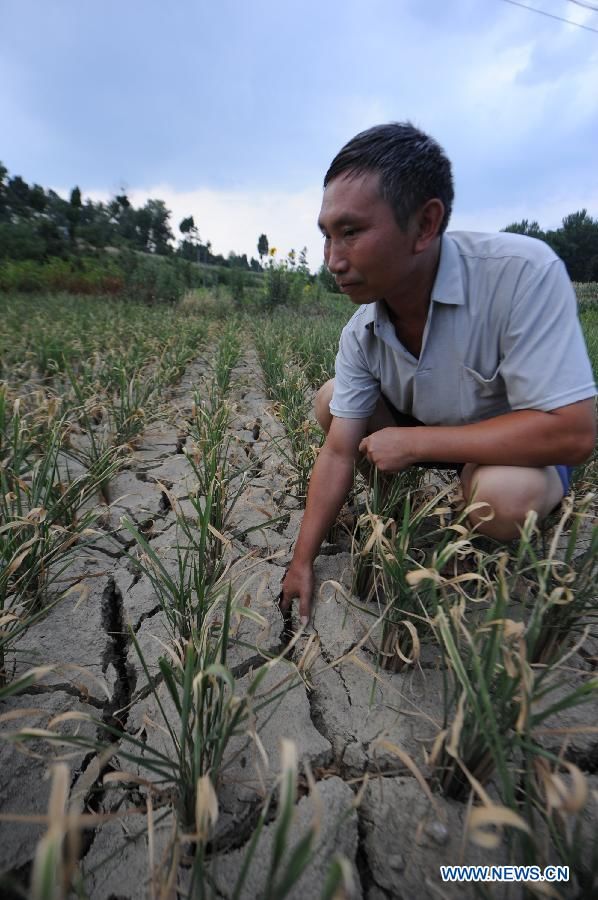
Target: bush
{"points": [[77, 276], [587, 294], [20, 242], [151, 280], [283, 285], [237, 285]]}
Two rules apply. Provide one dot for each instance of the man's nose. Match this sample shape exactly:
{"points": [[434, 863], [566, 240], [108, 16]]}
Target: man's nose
{"points": [[336, 259]]}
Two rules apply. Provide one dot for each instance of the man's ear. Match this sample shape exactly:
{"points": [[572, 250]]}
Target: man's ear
{"points": [[429, 220]]}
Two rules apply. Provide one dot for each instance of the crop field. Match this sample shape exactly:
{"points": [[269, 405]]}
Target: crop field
{"points": [[166, 732]]}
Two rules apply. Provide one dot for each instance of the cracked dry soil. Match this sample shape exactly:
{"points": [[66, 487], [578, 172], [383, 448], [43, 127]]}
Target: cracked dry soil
{"points": [[337, 713]]}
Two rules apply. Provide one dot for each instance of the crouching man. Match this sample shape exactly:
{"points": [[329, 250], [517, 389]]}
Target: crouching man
{"points": [[465, 349]]}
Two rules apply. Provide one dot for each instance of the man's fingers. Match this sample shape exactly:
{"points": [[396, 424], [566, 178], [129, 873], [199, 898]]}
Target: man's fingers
{"points": [[285, 598], [287, 595], [304, 609]]}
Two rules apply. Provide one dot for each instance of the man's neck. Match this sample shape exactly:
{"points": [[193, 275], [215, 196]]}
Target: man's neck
{"points": [[408, 305]]}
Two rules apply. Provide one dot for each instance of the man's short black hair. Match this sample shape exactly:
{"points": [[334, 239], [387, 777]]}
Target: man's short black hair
{"points": [[413, 168]]}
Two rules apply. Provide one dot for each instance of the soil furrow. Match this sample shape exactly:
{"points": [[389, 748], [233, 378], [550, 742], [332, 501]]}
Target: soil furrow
{"points": [[116, 654]]}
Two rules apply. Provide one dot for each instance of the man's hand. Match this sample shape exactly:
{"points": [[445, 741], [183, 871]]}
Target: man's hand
{"points": [[524, 437], [329, 484], [389, 449], [298, 582]]}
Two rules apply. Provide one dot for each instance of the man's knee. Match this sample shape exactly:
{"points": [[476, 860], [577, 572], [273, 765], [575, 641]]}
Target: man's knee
{"points": [[508, 494], [322, 405]]}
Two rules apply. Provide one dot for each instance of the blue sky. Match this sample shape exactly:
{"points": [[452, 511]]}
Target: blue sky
{"points": [[231, 111]]}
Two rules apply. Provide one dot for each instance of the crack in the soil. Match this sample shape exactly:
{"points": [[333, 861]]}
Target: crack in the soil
{"points": [[165, 505], [85, 764], [117, 537], [146, 615], [362, 862], [586, 759], [66, 688], [591, 658], [144, 692], [137, 574], [115, 711], [327, 657], [116, 654], [238, 834], [315, 712], [14, 882], [254, 662], [113, 554], [282, 523], [142, 474]]}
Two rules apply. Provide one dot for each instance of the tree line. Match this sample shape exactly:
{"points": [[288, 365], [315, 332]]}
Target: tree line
{"points": [[576, 242], [39, 224]]}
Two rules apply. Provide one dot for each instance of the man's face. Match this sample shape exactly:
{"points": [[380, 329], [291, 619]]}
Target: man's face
{"points": [[364, 248]]}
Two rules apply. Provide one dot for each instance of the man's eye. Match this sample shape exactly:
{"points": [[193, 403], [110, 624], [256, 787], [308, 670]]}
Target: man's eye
{"points": [[349, 232]]}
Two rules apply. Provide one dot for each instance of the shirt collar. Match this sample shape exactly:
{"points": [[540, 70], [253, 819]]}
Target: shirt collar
{"points": [[447, 288]]}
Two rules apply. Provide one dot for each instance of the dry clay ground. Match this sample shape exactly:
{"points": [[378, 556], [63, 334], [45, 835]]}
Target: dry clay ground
{"points": [[343, 721]]}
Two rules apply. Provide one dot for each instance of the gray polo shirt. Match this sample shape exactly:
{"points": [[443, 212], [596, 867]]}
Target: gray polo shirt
{"points": [[502, 334]]}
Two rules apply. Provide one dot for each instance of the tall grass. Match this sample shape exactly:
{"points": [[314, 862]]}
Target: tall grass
{"points": [[45, 514], [288, 388]]}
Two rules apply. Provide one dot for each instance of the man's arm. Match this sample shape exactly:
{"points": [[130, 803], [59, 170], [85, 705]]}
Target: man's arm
{"points": [[329, 485], [526, 437]]}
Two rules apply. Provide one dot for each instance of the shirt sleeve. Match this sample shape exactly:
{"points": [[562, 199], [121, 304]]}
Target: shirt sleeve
{"points": [[356, 390], [545, 363]]}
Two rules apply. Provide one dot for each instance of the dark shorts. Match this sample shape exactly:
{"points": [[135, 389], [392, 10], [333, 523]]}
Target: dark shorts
{"points": [[564, 473], [404, 420]]}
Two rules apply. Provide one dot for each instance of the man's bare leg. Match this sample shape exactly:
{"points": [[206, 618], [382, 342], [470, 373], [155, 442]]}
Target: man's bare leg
{"points": [[511, 492]]}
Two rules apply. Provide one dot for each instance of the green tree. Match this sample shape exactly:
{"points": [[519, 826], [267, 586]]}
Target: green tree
{"points": [[37, 198], [18, 240], [191, 245], [303, 267], [94, 226], [262, 246], [3, 202], [146, 228], [124, 219], [187, 226], [17, 191], [54, 238], [576, 242], [74, 213], [235, 261], [531, 229]]}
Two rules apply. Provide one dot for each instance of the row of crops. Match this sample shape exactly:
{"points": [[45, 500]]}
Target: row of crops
{"points": [[505, 636]]}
